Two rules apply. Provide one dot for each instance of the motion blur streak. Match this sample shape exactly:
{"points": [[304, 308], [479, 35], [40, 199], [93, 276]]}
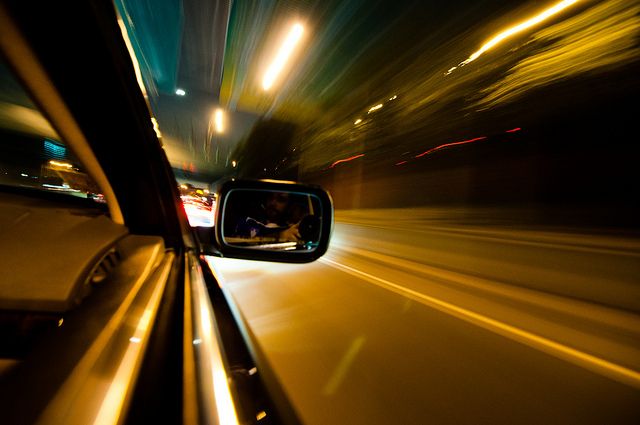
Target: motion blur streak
{"points": [[513, 130], [351, 158], [60, 164], [543, 16], [375, 108], [156, 127], [283, 55], [599, 38], [134, 58], [447, 145]]}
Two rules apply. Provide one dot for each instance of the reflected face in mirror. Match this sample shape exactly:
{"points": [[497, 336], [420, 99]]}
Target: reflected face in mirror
{"points": [[276, 206], [271, 220]]}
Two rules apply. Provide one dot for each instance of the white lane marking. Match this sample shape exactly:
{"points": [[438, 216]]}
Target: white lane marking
{"points": [[579, 358], [585, 310], [342, 368]]}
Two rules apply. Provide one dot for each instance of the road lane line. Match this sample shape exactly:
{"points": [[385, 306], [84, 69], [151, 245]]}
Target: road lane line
{"points": [[579, 358], [585, 310]]}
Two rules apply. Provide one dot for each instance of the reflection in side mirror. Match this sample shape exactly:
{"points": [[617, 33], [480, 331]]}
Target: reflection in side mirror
{"points": [[274, 221]]}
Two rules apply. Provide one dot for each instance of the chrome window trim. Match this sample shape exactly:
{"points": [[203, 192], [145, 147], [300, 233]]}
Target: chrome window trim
{"points": [[100, 386], [203, 346]]}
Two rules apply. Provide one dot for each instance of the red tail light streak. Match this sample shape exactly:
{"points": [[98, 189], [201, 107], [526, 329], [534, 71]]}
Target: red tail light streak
{"points": [[351, 158], [447, 145]]}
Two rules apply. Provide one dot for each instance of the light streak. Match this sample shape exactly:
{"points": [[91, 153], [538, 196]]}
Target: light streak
{"points": [[156, 127], [358, 121], [60, 164], [180, 92], [351, 158], [283, 55], [595, 41], [513, 130], [375, 108], [446, 145], [518, 28], [134, 58]]}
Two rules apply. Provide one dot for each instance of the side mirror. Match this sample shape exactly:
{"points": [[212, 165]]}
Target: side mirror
{"points": [[273, 220]]}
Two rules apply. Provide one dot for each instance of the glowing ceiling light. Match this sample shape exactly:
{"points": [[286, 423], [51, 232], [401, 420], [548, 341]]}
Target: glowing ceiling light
{"points": [[219, 118], [358, 121], [233, 164], [394, 97], [283, 55], [180, 92]]}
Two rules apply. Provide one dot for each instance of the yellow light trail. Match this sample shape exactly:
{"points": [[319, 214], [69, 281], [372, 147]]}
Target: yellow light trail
{"points": [[509, 32], [134, 58], [283, 55], [60, 164], [156, 127], [375, 108]]}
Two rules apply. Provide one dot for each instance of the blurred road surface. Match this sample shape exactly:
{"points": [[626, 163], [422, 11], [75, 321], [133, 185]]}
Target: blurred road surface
{"points": [[414, 318]]}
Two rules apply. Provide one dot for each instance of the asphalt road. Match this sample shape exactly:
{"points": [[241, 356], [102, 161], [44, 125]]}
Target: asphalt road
{"points": [[414, 319]]}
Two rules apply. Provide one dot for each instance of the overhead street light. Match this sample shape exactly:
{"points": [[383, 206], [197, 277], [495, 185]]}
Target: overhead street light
{"points": [[219, 120], [283, 56]]}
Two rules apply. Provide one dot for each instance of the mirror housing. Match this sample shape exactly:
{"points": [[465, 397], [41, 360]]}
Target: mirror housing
{"points": [[270, 220]]}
